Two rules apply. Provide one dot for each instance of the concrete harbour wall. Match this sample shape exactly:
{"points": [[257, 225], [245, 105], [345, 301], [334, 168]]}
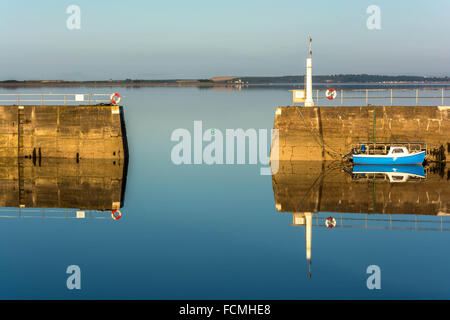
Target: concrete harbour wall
{"points": [[69, 132], [314, 186], [328, 133]]}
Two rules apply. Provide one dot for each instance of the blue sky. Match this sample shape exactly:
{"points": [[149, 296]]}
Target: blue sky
{"points": [[202, 39]]}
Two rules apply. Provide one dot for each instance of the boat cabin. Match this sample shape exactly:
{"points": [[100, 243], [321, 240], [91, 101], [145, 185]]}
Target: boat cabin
{"points": [[384, 148], [397, 151]]}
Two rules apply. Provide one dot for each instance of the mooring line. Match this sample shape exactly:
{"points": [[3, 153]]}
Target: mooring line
{"points": [[324, 145]]}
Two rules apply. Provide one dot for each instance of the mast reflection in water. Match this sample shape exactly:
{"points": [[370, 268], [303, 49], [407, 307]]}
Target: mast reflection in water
{"points": [[362, 196]]}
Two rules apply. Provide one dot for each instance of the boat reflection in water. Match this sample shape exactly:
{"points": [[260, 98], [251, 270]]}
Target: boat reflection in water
{"points": [[362, 196], [62, 187], [393, 173]]}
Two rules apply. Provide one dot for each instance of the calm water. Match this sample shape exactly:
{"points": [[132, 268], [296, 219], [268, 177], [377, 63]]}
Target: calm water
{"points": [[216, 232]]}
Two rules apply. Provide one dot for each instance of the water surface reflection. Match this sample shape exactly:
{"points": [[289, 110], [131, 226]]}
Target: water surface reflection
{"points": [[332, 195], [97, 185]]}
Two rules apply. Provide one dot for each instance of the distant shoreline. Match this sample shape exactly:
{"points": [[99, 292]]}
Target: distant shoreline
{"points": [[341, 79], [44, 84], [106, 84]]}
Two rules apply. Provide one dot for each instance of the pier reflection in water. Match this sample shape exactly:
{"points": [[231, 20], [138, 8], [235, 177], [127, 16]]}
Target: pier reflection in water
{"points": [[382, 197], [61, 187]]}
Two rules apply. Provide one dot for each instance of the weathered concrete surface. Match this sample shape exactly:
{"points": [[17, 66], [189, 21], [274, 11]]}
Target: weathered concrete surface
{"points": [[84, 132], [63, 183], [314, 186], [327, 133]]}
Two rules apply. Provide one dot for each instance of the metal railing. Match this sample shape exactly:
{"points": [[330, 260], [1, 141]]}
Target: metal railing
{"points": [[385, 96], [383, 147], [385, 221], [53, 213], [50, 98]]}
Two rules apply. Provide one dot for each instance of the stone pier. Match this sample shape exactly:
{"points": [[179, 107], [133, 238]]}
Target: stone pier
{"points": [[67, 132], [328, 133]]}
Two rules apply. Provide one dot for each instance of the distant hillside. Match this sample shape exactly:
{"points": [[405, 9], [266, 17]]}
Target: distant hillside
{"points": [[343, 78], [227, 81]]}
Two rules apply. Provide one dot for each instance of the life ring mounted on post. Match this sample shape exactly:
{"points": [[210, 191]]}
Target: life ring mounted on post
{"points": [[331, 94], [115, 98], [330, 222], [116, 214]]}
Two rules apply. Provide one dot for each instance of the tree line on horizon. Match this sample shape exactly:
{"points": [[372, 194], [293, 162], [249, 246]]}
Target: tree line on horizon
{"points": [[360, 78]]}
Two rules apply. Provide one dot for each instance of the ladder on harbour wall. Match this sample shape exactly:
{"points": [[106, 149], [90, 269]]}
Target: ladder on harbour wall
{"points": [[371, 201], [20, 153], [372, 125]]}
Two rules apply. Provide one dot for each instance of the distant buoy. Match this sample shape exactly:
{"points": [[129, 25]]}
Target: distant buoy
{"points": [[116, 214], [331, 94], [115, 98], [330, 222]]}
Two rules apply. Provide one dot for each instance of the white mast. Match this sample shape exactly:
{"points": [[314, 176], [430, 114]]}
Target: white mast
{"points": [[308, 238], [309, 102], [305, 219]]}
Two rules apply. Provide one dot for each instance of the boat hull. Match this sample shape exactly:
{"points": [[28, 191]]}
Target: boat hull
{"points": [[414, 158], [416, 170]]}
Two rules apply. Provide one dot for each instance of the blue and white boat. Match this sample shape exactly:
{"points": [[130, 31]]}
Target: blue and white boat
{"points": [[395, 156], [395, 173]]}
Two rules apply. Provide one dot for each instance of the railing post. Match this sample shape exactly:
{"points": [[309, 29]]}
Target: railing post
{"points": [[417, 96], [342, 96], [391, 97], [367, 97], [442, 90]]}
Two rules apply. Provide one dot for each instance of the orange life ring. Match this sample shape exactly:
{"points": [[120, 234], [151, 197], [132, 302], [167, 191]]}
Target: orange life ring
{"points": [[331, 94], [330, 222], [115, 98], [116, 216]]}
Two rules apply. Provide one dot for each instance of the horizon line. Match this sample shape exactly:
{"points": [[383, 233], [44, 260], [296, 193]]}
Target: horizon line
{"points": [[225, 78]]}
